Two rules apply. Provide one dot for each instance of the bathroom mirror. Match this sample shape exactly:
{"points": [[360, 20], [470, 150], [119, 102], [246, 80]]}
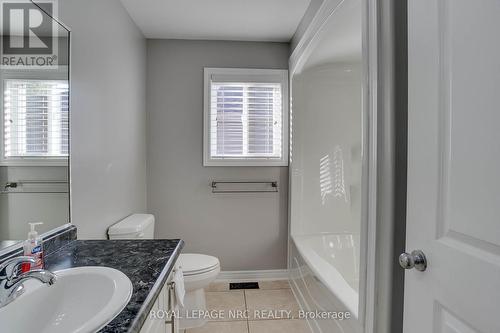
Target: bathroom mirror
{"points": [[34, 108]]}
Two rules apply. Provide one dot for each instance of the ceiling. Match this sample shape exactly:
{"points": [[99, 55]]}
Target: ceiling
{"points": [[245, 20]]}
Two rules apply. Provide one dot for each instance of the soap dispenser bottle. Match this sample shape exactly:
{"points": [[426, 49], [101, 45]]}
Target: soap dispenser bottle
{"points": [[33, 247]]}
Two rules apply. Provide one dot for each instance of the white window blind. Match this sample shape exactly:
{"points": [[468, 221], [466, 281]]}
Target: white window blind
{"points": [[246, 120], [36, 118], [245, 117]]}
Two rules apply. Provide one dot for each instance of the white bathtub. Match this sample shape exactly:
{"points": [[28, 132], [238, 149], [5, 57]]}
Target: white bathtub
{"points": [[327, 156], [334, 260]]}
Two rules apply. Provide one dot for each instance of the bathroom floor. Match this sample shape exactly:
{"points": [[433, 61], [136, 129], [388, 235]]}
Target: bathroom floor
{"points": [[271, 309]]}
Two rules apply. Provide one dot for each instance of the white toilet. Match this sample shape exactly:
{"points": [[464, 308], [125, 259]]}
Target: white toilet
{"points": [[199, 270], [135, 226]]}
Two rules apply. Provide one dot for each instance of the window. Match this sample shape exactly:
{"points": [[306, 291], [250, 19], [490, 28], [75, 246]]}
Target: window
{"points": [[35, 119], [246, 117]]}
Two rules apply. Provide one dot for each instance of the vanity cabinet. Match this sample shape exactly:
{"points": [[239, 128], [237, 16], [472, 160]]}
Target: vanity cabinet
{"points": [[164, 305]]}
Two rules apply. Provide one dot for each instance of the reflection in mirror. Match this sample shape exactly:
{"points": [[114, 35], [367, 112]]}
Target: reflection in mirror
{"points": [[34, 108]]}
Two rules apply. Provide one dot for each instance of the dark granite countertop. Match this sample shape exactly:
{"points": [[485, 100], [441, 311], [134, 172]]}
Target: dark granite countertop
{"points": [[147, 263]]}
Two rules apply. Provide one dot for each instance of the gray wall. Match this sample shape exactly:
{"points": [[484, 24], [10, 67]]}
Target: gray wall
{"points": [[108, 147], [246, 231]]}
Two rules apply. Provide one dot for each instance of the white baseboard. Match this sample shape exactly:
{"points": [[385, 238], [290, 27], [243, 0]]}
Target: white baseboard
{"points": [[242, 276]]}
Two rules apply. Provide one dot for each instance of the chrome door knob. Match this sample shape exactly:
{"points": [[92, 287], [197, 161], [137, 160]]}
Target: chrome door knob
{"points": [[415, 259]]}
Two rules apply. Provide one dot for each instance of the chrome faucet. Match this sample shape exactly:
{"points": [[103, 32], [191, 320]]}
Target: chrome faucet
{"points": [[11, 282]]}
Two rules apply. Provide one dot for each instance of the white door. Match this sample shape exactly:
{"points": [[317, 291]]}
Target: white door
{"points": [[453, 205]]}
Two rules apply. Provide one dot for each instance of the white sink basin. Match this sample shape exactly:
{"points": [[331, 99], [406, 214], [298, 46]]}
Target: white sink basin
{"points": [[83, 299]]}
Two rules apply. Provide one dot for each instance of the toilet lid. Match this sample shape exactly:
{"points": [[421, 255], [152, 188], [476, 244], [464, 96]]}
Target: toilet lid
{"points": [[193, 263]]}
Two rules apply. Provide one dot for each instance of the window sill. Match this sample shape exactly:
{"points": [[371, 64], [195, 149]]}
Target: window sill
{"points": [[34, 163], [240, 163]]}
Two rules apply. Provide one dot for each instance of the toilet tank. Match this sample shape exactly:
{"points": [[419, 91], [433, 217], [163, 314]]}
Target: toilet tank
{"points": [[135, 226]]}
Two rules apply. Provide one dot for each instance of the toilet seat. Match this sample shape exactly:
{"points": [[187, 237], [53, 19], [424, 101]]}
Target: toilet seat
{"points": [[194, 263]]}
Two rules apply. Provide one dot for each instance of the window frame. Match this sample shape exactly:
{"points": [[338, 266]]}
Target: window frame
{"points": [[61, 73], [244, 75]]}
